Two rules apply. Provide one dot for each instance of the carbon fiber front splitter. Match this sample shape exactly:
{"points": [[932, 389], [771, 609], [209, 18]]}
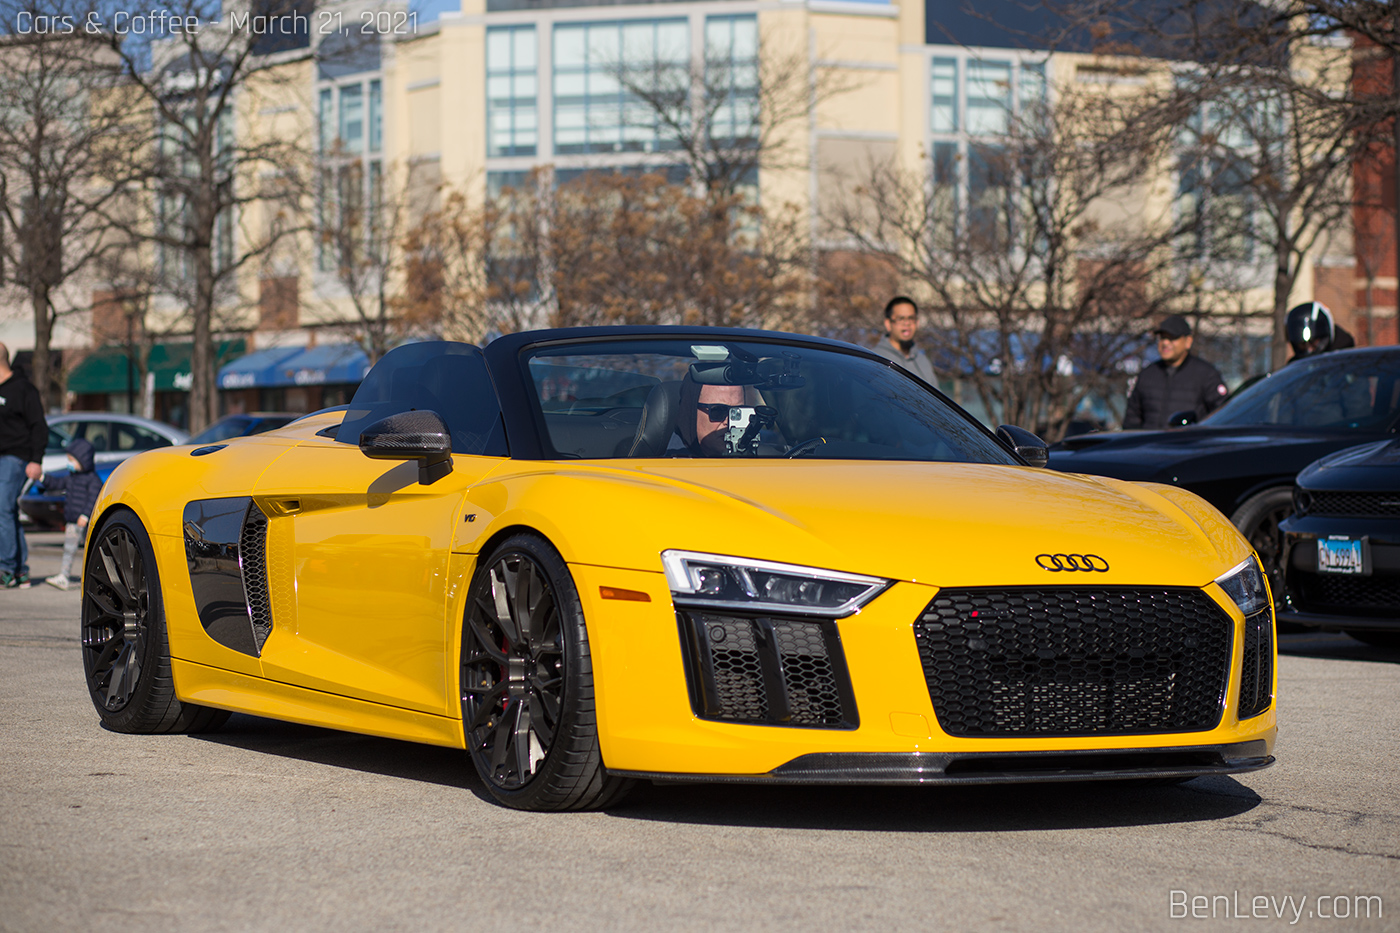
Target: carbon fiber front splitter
{"points": [[1004, 768]]}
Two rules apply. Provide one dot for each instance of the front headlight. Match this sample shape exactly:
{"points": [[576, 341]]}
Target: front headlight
{"points": [[717, 581], [1245, 585]]}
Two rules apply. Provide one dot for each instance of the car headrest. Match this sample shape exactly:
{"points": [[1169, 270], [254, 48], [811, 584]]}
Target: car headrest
{"points": [[658, 421]]}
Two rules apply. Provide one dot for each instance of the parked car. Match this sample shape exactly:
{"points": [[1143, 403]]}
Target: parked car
{"points": [[601, 555], [1243, 458], [1342, 545], [242, 425], [114, 437]]}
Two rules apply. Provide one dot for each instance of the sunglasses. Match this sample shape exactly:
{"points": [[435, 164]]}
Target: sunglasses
{"points": [[719, 411]]}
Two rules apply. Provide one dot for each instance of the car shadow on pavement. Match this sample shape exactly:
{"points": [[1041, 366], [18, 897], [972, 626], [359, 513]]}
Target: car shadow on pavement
{"points": [[1334, 645], [874, 809], [981, 809], [411, 761]]}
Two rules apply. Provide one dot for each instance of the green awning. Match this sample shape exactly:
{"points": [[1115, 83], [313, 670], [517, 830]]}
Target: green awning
{"points": [[105, 370]]}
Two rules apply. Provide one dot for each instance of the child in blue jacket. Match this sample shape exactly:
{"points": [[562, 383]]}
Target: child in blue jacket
{"points": [[81, 488]]}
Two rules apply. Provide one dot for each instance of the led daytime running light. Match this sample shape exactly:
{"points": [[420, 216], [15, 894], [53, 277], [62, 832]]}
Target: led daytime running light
{"points": [[721, 581]]}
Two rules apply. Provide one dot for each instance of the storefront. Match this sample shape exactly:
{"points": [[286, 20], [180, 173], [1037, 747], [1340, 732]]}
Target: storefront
{"points": [[292, 379], [108, 379]]}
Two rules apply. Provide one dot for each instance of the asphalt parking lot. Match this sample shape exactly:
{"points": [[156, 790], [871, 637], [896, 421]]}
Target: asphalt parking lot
{"points": [[269, 826]]}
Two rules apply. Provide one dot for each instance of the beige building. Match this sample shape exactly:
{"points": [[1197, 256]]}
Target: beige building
{"points": [[478, 96]]}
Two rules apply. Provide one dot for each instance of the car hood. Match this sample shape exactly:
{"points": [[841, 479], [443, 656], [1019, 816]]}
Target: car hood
{"points": [[1374, 466], [1154, 454], [937, 523]]}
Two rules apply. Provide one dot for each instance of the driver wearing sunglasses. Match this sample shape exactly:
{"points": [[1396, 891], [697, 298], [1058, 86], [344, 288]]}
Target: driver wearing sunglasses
{"points": [[704, 416]]}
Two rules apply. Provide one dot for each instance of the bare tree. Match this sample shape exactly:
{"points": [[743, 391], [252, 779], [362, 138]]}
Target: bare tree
{"points": [[639, 250], [58, 127], [1271, 120], [209, 157], [369, 248], [608, 249], [1039, 272]]}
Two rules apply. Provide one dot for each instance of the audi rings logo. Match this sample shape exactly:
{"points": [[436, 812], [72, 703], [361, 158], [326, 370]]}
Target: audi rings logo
{"points": [[1071, 563]]}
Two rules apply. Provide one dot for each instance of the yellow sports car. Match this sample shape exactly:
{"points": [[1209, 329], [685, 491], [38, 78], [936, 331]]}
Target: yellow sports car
{"points": [[600, 555]]}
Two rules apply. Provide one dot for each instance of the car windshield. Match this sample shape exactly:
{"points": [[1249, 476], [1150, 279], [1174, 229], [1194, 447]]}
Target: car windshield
{"points": [[734, 398], [1350, 391]]}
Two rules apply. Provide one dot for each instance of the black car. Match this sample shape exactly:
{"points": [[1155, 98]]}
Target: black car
{"points": [[1342, 545], [1243, 458]]}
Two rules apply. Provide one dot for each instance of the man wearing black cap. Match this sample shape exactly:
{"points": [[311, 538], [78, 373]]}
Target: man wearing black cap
{"points": [[1176, 382]]}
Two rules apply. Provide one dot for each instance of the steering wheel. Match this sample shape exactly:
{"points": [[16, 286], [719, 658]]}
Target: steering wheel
{"points": [[811, 443]]}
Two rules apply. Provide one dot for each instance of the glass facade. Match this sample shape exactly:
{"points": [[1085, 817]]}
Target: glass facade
{"points": [[512, 78], [731, 74], [593, 111]]}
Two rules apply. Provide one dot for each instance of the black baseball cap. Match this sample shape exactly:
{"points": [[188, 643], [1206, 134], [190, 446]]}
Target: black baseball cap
{"points": [[1174, 326]]}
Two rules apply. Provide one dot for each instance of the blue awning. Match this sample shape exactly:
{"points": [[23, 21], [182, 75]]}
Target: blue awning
{"points": [[326, 364], [296, 366], [256, 370]]}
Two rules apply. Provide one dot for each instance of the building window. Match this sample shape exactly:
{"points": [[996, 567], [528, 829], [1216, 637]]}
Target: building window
{"points": [[945, 95], [351, 138], [974, 184], [352, 118], [988, 98], [731, 73], [376, 116], [512, 118], [592, 111], [1220, 148]]}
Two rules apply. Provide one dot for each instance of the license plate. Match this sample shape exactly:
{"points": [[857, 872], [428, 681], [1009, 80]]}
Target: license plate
{"points": [[1342, 554]]}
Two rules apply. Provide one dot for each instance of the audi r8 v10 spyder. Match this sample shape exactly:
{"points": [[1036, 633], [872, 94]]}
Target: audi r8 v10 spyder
{"points": [[592, 556], [1342, 545], [1243, 458]]}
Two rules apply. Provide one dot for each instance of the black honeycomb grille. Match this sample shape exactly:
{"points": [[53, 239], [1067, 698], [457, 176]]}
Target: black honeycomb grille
{"points": [[789, 672], [1257, 665], [252, 556], [1354, 503], [1346, 594], [1074, 661]]}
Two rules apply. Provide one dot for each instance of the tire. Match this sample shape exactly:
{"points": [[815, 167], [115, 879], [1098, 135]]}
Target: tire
{"points": [[1376, 639], [126, 654], [528, 711], [1258, 520]]}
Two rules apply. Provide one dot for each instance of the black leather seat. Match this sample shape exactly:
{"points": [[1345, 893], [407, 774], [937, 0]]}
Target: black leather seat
{"points": [[657, 424]]}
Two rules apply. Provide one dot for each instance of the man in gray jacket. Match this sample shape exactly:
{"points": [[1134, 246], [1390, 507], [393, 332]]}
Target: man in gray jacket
{"points": [[901, 325]]}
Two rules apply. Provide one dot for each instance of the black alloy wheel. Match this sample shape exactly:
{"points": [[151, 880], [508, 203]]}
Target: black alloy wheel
{"points": [[126, 657], [527, 686]]}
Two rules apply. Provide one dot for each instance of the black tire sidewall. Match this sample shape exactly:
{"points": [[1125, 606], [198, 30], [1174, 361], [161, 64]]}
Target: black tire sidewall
{"points": [[577, 726], [135, 716]]}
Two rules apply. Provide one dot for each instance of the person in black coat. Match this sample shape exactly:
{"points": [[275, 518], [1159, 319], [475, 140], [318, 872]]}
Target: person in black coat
{"points": [[81, 488], [23, 434], [1176, 382]]}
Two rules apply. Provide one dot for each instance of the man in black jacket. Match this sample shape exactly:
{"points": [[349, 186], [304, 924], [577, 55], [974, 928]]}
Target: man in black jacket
{"points": [[1176, 382], [23, 434]]}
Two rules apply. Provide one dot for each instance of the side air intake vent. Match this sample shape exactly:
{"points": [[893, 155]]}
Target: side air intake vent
{"points": [[768, 671]]}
